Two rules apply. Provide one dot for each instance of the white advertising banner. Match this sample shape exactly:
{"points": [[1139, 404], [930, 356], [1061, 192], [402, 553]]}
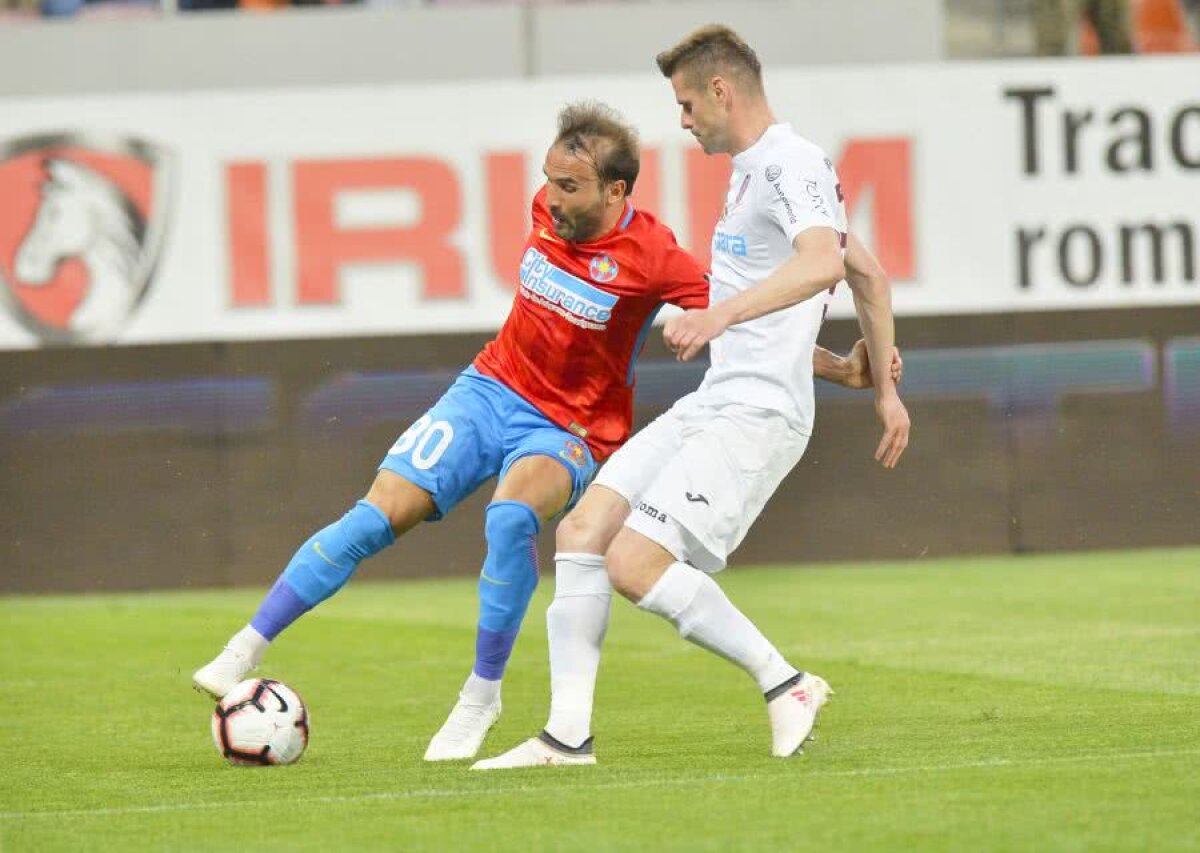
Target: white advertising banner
{"points": [[998, 187]]}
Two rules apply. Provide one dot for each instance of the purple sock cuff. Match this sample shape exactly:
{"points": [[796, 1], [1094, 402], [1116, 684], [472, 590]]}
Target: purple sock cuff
{"points": [[492, 651], [280, 608]]}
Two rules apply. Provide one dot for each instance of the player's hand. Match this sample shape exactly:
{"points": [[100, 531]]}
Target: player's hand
{"points": [[858, 374], [686, 334], [894, 418]]}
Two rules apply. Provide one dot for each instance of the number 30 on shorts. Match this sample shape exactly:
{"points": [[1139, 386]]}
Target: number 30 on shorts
{"points": [[427, 439]]}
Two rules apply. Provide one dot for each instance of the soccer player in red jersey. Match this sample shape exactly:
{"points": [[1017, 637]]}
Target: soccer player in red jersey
{"points": [[541, 406]]}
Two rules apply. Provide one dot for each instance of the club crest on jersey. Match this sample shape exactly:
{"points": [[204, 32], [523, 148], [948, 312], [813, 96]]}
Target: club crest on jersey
{"points": [[88, 214], [567, 295], [573, 452], [603, 269], [773, 172]]}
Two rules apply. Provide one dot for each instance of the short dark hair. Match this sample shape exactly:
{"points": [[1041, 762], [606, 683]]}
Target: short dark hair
{"points": [[709, 51], [597, 131]]}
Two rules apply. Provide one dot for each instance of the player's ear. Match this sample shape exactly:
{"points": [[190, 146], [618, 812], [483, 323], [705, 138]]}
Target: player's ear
{"points": [[617, 190], [718, 87]]}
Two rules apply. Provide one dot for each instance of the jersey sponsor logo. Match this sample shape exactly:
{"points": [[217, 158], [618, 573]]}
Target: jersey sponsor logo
{"points": [[603, 269], [652, 511], [729, 244], [570, 297], [787, 203], [815, 198], [773, 172]]}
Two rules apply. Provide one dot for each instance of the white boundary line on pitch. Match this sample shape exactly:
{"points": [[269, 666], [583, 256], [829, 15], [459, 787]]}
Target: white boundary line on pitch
{"points": [[996, 763]]}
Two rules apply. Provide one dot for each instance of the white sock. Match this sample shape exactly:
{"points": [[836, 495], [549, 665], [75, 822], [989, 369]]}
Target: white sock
{"points": [[694, 603], [480, 691], [249, 644], [576, 623]]}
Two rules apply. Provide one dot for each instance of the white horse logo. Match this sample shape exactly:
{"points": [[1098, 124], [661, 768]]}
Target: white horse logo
{"points": [[83, 215]]}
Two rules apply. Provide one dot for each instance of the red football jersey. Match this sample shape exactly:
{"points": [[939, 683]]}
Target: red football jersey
{"points": [[581, 316]]}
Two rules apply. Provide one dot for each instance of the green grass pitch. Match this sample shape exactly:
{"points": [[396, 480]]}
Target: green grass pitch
{"points": [[1037, 703]]}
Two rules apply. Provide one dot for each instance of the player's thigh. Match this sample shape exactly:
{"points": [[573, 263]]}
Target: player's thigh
{"points": [[592, 525], [540, 482], [631, 470], [705, 498], [404, 503], [544, 466], [453, 448]]}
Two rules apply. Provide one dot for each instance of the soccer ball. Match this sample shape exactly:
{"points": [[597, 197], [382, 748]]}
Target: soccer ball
{"points": [[260, 721]]}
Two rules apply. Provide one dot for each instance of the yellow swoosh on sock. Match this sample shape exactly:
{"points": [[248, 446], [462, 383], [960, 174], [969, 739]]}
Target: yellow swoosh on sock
{"points": [[321, 554]]}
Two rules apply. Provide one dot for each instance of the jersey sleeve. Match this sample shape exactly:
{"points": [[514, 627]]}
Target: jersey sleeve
{"points": [[800, 194], [683, 281]]}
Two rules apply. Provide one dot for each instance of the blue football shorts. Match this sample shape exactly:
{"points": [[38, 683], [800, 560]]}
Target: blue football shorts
{"points": [[478, 430]]}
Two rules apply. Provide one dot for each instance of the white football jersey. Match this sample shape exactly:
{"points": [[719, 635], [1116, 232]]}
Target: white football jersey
{"points": [[781, 185]]}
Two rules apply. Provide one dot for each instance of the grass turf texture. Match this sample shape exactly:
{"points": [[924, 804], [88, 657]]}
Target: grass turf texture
{"points": [[1047, 703]]}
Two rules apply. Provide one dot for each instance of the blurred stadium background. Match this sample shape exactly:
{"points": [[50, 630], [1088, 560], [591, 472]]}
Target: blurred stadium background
{"points": [[292, 228]]}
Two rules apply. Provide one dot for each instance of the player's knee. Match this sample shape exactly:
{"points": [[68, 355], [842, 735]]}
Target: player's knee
{"points": [[404, 503], [575, 534], [624, 570], [510, 525]]}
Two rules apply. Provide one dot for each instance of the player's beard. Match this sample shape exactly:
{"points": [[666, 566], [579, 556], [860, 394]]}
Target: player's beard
{"points": [[711, 142], [579, 227]]}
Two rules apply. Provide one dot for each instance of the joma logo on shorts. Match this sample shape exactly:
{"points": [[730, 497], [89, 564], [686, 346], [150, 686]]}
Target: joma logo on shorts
{"points": [[652, 511]]}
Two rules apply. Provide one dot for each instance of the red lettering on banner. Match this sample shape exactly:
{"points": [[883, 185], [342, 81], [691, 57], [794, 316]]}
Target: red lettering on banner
{"points": [[707, 185], [883, 167], [249, 258], [322, 247], [647, 189], [508, 213], [880, 166]]}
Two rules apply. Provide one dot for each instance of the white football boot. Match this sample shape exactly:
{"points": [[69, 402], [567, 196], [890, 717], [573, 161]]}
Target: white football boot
{"points": [[793, 707], [464, 730], [541, 751], [223, 672]]}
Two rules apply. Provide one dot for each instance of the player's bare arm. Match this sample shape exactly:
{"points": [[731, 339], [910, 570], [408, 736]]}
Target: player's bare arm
{"points": [[815, 266], [873, 304], [854, 369]]}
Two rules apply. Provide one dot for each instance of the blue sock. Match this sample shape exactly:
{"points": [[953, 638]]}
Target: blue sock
{"points": [[509, 576], [322, 566]]}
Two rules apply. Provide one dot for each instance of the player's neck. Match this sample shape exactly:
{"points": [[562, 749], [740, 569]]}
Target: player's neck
{"points": [[748, 128], [610, 220]]}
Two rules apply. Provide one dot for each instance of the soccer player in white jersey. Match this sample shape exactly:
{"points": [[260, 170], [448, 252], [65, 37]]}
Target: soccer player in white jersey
{"points": [[673, 503]]}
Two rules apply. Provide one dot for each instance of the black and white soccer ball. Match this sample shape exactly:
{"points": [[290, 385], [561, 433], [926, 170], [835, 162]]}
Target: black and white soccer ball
{"points": [[260, 721]]}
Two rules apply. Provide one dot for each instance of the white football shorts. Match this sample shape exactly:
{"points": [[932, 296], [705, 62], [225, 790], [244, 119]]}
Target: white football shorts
{"points": [[699, 475]]}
